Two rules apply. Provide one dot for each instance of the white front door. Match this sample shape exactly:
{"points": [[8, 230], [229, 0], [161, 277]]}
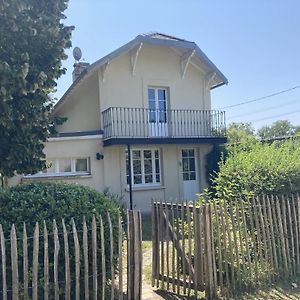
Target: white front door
{"points": [[189, 174], [157, 116]]}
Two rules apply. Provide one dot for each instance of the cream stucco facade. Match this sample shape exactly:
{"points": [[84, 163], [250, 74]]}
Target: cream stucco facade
{"points": [[171, 73]]}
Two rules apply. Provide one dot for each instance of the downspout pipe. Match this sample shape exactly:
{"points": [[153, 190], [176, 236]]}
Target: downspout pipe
{"points": [[130, 177]]}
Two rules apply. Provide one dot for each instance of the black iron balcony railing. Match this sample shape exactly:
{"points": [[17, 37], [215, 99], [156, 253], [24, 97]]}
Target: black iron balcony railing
{"points": [[120, 122]]}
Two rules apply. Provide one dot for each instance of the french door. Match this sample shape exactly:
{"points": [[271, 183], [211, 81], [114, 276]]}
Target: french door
{"points": [[189, 174], [157, 113]]}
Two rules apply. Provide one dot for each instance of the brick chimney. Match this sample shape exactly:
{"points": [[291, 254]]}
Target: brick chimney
{"points": [[78, 68]]}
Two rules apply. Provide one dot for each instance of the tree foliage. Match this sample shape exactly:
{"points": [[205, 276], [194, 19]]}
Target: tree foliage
{"points": [[280, 128], [240, 132], [32, 47]]}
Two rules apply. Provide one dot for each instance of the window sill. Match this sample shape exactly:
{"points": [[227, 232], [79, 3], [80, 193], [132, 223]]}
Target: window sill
{"points": [[57, 176], [146, 188]]}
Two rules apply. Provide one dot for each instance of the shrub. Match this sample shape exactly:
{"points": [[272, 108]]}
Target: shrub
{"points": [[259, 169], [36, 202]]}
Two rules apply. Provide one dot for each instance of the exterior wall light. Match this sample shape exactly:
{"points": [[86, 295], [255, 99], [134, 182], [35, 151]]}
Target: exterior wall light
{"points": [[99, 156]]}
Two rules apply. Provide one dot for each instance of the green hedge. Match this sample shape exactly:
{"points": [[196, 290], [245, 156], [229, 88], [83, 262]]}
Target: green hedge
{"points": [[36, 202]]}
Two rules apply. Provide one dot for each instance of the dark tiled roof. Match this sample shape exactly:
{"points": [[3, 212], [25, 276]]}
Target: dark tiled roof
{"points": [[162, 36]]}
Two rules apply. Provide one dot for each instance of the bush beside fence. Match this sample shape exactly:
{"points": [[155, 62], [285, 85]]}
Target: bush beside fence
{"points": [[30, 271], [225, 247]]}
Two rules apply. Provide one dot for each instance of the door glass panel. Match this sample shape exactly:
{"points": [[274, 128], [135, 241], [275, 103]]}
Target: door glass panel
{"points": [[161, 94], [188, 164], [151, 94]]}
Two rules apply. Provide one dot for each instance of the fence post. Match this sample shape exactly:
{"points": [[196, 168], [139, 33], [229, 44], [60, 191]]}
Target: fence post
{"points": [[134, 255]]}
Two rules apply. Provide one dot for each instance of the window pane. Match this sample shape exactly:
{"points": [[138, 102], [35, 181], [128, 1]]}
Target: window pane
{"points": [[50, 166], [192, 164], [186, 176], [192, 175], [184, 153], [81, 165], [137, 179], [148, 179], [147, 153], [151, 94], [136, 154], [162, 117], [157, 178], [161, 94], [157, 166], [162, 105], [156, 154], [64, 165], [152, 116], [152, 105], [191, 152], [148, 166], [185, 165], [137, 167]]}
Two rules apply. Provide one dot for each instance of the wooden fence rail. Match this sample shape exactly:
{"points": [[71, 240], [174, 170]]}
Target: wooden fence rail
{"points": [[225, 246], [64, 262]]}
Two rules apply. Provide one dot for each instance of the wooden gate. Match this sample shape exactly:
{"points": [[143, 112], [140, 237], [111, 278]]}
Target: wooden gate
{"points": [[225, 246], [182, 253]]}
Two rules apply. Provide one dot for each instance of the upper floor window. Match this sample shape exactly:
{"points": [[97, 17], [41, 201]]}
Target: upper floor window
{"points": [[157, 103]]}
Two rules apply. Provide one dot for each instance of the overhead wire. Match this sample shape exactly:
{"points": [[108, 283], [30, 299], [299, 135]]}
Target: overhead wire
{"points": [[263, 110], [261, 98]]}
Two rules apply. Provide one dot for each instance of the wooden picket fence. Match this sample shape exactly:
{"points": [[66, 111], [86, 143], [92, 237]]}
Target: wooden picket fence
{"points": [[225, 247], [74, 264]]}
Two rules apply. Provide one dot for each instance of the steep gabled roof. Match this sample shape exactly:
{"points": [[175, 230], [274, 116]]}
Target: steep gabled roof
{"points": [[152, 38]]}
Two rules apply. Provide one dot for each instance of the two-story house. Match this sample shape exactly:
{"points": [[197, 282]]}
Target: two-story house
{"points": [[139, 122]]}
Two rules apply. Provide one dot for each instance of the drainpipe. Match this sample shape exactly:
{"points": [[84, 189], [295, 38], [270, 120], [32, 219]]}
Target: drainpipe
{"points": [[130, 176]]}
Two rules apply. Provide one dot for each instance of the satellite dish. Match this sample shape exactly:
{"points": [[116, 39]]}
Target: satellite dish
{"points": [[77, 53]]}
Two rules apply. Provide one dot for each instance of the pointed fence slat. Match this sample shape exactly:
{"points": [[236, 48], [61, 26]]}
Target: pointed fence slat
{"points": [[55, 259], [35, 263], [112, 269], [46, 263], [3, 259], [120, 243], [62, 280], [272, 217], [25, 262], [237, 239], [103, 264], [85, 259], [292, 236], [295, 228], [94, 254], [14, 263], [77, 260], [67, 263]]}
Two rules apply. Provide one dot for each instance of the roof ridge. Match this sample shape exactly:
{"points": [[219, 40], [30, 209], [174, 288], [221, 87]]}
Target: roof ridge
{"points": [[156, 34]]}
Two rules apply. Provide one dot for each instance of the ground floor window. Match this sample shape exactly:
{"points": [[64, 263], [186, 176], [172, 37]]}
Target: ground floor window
{"points": [[79, 165], [145, 167]]}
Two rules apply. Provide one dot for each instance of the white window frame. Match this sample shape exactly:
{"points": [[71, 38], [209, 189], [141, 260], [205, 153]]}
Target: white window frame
{"points": [[156, 109], [57, 173], [144, 184]]}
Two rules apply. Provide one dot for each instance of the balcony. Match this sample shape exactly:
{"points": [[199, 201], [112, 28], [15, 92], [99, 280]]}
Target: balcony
{"points": [[141, 125]]}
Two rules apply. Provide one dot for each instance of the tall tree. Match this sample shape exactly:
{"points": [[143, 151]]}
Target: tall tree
{"points": [[239, 132], [33, 39], [279, 128]]}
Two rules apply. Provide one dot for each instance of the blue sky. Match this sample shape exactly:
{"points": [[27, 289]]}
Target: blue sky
{"points": [[256, 44]]}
